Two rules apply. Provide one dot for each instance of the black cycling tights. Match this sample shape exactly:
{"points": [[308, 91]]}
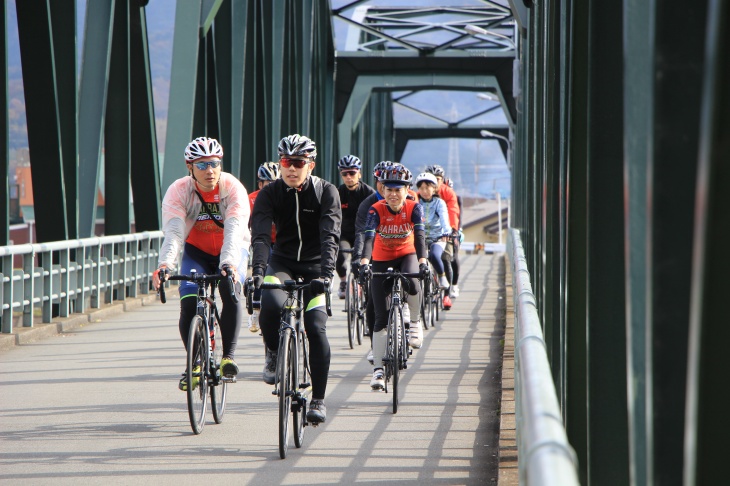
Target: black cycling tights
{"points": [[231, 316], [315, 319]]}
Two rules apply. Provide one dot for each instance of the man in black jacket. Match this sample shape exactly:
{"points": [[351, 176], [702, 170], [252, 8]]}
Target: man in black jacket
{"points": [[352, 192], [306, 212]]}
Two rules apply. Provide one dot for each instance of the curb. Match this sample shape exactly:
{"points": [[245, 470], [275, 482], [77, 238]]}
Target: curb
{"points": [[59, 325], [508, 460]]}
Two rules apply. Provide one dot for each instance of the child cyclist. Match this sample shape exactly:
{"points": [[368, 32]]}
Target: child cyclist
{"points": [[436, 219], [394, 238]]}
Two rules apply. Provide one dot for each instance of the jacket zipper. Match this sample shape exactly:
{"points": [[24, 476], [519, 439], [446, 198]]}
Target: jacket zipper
{"points": [[299, 228]]}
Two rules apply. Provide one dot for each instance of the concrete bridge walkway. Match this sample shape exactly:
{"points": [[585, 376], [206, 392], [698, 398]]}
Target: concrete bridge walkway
{"points": [[99, 404]]}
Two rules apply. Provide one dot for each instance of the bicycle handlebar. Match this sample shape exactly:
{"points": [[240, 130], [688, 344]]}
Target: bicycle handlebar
{"points": [[200, 278], [289, 286]]}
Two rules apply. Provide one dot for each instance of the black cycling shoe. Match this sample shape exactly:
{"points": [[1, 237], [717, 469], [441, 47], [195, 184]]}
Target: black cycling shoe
{"points": [[317, 412]]}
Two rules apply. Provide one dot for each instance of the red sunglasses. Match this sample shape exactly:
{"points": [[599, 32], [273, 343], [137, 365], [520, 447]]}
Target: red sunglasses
{"points": [[298, 163]]}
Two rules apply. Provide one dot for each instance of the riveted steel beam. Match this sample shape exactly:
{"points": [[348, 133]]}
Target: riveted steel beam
{"points": [[43, 116]]}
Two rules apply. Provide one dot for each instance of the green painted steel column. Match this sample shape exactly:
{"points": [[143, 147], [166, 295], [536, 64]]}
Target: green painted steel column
{"points": [[575, 408], [4, 131], [42, 115], [638, 110], [92, 107], [144, 155], [707, 427], [117, 155], [63, 22], [608, 457], [183, 80], [223, 40], [672, 174]]}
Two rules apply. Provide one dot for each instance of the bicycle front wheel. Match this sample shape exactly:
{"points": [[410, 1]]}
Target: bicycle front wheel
{"points": [[196, 373], [425, 308], [284, 376], [219, 388], [302, 381], [395, 324], [360, 306], [350, 305]]}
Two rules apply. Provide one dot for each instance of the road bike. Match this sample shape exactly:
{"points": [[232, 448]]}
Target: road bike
{"points": [[293, 382], [204, 351], [397, 350], [355, 305]]}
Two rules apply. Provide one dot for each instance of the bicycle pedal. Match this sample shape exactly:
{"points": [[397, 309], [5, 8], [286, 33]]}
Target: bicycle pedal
{"points": [[275, 392], [304, 385], [228, 379]]}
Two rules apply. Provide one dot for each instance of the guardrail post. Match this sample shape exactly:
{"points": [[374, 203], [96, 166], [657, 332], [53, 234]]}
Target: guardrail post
{"points": [[28, 288]]}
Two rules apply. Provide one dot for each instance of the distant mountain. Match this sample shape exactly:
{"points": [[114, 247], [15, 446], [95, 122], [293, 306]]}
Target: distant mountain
{"points": [[160, 27]]}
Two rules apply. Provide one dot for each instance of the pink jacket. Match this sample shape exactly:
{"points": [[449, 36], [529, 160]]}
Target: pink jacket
{"points": [[180, 209]]}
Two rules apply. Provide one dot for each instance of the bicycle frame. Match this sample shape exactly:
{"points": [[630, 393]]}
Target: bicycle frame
{"points": [[294, 392], [206, 353]]}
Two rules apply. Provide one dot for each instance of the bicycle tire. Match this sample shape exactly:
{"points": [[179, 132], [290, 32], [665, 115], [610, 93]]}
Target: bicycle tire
{"points": [[197, 352], [285, 387], [395, 343], [359, 310], [219, 388], [350, 305], [301, 376], [425, 307]]}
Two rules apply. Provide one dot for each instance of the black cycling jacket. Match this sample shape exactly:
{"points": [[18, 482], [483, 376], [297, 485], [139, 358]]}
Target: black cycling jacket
{"points": [[350, 201], [307, 223]]}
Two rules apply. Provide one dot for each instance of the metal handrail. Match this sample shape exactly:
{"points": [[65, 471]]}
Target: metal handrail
{"points": [[74, 275], [544, 455]]}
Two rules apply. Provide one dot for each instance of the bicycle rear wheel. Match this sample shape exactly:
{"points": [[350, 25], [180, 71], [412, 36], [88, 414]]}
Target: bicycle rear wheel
{"points": [[302, 381], [350, 305], [197, 365], [284, 369], [219, 388]]}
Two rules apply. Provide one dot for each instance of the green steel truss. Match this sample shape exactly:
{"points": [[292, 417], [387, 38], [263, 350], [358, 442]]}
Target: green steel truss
{"points": [[620, 192], [399, 49], [259, 70], [246, 72]]}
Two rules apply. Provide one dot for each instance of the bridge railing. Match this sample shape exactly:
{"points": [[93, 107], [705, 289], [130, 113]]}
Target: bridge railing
{"points": [[74, 274], [544, 455]]}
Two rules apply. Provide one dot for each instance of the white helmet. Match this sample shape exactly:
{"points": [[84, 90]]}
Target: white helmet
{"points": [[427, 177], [298, 146], [268, 171], [203, 147]]}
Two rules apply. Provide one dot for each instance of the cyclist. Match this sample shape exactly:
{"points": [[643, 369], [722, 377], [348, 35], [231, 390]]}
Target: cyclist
{"points": [[455, 264], [306, 212], [449, 196], [362, 216], [437, 225], [394, 238], [206, 216], [352, 192], [267, 173]]}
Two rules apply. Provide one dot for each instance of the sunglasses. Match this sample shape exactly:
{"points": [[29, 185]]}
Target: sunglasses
{"points": [[351, 173], [298, 163], [204, 165]]}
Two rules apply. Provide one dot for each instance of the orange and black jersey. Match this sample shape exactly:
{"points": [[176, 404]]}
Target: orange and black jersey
{"points": [[390, 235]]}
